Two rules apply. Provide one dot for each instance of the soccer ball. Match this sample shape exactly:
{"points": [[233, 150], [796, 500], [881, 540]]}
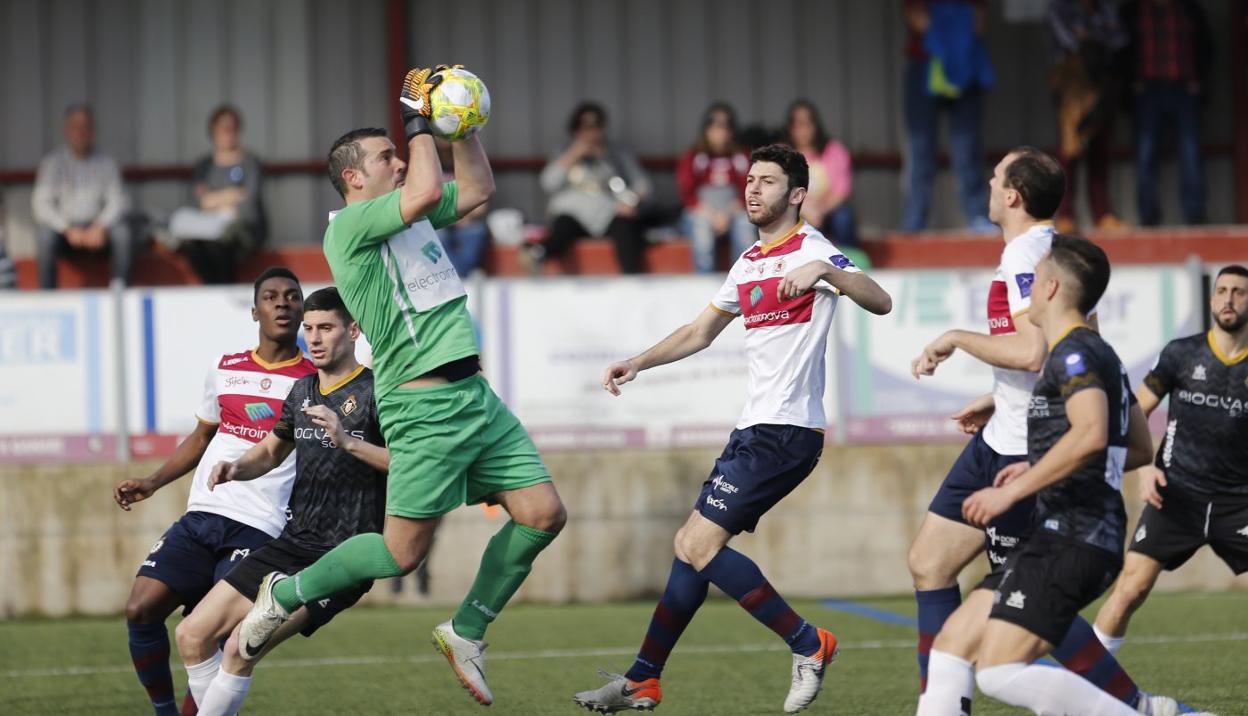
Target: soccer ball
{"points": [[459, 105]]}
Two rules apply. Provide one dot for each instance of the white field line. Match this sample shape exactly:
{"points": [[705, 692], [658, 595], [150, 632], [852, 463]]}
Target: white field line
{"points": [[574, 654]]}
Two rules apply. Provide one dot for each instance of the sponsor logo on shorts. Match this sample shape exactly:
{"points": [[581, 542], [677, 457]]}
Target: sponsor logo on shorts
{"points": [[240, 553], [1198, 373], [716, 503], [1005, 541], [996, 559], [1243, 532], [156, 547], [323, 603], [149, 563], [1142, 532], [723, 485], [259, 411], [1016, 600]]}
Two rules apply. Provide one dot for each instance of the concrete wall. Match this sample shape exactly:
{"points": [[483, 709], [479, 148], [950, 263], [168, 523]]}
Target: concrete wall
{"points": [[65, 548], [304, 71]]}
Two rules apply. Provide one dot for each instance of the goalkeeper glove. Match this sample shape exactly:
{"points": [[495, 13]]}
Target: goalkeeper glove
{"points": [[414, 107]]}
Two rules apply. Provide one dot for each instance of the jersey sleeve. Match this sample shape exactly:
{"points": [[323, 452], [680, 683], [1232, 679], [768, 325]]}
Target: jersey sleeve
{"points": [[365, 223], [1161, 378], [1019, 270], [823, 250], [209, 410], [447, 210], [1075, 369], [726, 299], [284, 428]]}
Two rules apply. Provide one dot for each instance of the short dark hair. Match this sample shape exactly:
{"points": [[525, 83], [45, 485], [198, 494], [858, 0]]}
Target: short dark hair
{"points": [[821, 134], [1038, 178], [584, 108], [1232, 270], [348, 154], [1085, 262], [271, 272], [789, 159], [222, 111], [327, 299]]}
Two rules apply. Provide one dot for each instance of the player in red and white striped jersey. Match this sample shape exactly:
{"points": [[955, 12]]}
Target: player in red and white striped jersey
{"points": [[243, 396]]}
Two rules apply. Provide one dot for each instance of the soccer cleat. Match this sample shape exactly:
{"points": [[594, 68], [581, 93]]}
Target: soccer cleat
{"points": [[467, 658], [621, 694], [1157, 705], [265, 617], [808, 673]]}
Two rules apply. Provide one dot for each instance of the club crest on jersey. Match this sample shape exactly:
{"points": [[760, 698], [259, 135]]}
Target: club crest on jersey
{"points": [[349, 405], [1198, 373], [778, 267], [1025, 280], [266, 384], [1074, 365], [259, 411], [432, 252], [756, 295]]}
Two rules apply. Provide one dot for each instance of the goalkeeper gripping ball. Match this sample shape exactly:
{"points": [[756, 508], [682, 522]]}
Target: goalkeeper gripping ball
{"points": [[459, 104]]}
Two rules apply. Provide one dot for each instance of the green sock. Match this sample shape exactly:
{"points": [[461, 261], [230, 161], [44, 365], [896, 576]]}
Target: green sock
{"points": [[356, 560], [507, 561]]}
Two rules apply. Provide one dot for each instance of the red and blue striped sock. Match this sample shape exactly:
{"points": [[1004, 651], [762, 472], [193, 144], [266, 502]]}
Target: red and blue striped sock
{"points": [[149, 650], [685, 592], [1082, 653], [741, 579], [935, 606]]}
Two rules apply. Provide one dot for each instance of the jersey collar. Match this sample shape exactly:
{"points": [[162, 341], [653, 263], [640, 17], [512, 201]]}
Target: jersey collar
{"points": [[345, 379], [764, 248], [1068, 331], [255, 355], [1217, 352]]}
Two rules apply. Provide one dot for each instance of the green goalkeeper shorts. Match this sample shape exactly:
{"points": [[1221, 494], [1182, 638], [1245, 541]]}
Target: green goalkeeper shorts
{"points": [[452, 445]]}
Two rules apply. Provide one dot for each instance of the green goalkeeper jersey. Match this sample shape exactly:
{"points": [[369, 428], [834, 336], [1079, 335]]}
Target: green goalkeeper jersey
{"points": [[400, 286]]}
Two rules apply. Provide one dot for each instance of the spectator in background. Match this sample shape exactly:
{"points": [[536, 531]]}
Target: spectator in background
{"points": [[711, 178], [596, 188], [827, 205], [8, 271], [1087, 37], [79, 203], [466, 240], [1168, 57], [229, 222], [947, 69]]}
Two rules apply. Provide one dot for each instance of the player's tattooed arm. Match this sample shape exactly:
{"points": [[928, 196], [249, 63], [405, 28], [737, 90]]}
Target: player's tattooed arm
{"points": [[681, 343], [259, 460], [184, 459]]}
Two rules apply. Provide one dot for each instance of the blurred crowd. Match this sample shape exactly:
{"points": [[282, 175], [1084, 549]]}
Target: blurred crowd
{"points": [[1148, 59]]}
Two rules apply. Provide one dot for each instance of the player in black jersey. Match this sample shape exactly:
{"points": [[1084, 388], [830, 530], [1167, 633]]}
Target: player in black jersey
{"points": [[1197, 490], [330, 420], [1078, 436]]}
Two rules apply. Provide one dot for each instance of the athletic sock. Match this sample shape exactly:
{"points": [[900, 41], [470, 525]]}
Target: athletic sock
{"points": [[189, 707], [741, 579], [1048, 690], [1111, 643], [358, 559], [199, 676], [685, 592], [225, 696], [1083, 654], [149, 650], [950, 686], [507, 561], [935, 606]]}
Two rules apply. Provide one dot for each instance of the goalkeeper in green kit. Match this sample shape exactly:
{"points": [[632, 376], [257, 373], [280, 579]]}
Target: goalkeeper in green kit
{"points": [[452, 441]]}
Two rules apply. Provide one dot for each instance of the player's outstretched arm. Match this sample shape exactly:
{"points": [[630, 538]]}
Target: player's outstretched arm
{"points": [[472, 174], [259, 460], [682, 343], [184, 459], [1022, 350], [1088, 412]]}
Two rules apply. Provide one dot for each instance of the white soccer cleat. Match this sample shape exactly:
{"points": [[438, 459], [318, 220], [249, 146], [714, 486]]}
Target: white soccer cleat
{"points": [[808, 672], [621, 694], [265, 617], [467, 658], [1158, 705]]}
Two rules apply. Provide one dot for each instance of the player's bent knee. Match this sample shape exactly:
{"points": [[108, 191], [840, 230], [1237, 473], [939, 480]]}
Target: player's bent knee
{"points": [[928, 569], [550, 518], [141, 610], [191, 639]]}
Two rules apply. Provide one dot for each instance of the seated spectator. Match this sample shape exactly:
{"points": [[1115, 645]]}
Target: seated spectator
{"points": [[229, 222], [79, 203], [827, 206], [711, 177], [466, 240], [1168, 57], [1087, 36], [596, 188]]}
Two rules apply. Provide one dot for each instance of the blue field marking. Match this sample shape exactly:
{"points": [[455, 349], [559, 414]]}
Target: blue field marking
{"points": [[149, 364], [862, 610]]}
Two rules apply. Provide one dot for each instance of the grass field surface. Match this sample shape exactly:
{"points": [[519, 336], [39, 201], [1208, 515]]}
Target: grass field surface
{"points": [[379, 661]]}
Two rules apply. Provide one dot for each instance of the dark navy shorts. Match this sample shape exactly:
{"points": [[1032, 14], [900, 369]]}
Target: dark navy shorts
{"points": [[198, 550], [283, 555], [760, 465], [974, 470]]}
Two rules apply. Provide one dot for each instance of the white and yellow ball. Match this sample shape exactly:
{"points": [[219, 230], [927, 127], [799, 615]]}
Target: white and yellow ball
{"points": [[459, 105]]}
